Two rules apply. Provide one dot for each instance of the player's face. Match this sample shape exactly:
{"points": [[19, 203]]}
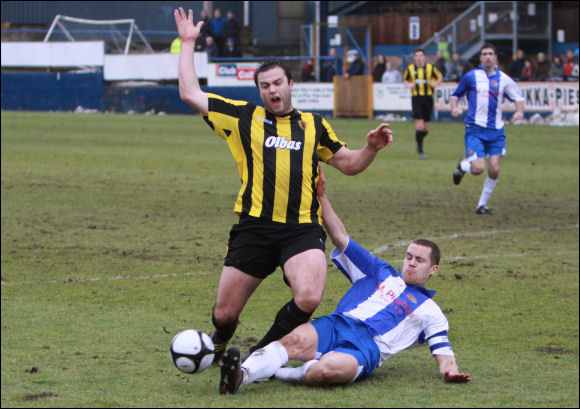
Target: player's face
{"points": [[275, 91], [419, 59], [488, 58], [417, 267]]}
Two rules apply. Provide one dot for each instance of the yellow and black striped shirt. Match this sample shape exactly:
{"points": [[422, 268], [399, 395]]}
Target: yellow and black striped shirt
{"points": [[421, 77], [277, 158]]}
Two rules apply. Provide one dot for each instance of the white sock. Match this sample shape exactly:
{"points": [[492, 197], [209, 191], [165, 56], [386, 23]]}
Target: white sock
{"points": [[264, 362], [465, 165], [488, 187], [294, 374]]}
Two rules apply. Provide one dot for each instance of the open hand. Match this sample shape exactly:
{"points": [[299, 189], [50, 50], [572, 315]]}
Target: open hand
{"points": [[185, 27], [457, 377]]}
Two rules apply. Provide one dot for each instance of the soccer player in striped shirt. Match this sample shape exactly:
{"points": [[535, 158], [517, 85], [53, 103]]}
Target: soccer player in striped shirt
{"points": [[277, 150], [421, 78], [383, 313], [485, 87]]}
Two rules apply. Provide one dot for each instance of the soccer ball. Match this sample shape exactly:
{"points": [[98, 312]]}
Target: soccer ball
{"points": [[192, 351]]}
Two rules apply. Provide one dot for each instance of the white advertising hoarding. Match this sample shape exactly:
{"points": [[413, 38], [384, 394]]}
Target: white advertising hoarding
{"points": [[161, 66], [313, 96], [231, 74], [538, 96], [391, 97], [53, 54]]}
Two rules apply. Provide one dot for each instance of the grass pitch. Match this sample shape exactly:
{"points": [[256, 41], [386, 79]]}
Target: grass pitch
{"points": [[114, 230]]}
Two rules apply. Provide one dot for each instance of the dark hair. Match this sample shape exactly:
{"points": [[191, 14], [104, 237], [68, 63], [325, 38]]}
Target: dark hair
{"points": [[419, 50], [268, 65], [488, 46], [435, 252]]}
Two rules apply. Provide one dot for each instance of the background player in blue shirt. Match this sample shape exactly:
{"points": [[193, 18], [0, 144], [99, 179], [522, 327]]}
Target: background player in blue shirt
{"points": [[485, 87], [384, 312]]}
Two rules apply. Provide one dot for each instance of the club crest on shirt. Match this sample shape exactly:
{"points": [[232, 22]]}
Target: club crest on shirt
{"points": [[412, 298], [494, 84], [302, 124]]}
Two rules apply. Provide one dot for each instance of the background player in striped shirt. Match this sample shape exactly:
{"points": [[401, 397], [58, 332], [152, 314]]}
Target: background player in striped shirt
{"points": [[277, 149], [383, 313], [421, 78], [485, 87]]}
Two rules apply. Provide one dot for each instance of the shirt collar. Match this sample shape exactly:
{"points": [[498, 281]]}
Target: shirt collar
{"points": [[420, 288], [495, 70]]}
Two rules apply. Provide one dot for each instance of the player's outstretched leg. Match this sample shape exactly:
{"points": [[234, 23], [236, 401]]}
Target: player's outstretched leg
{"points": [[458, 173], [231, 371]]}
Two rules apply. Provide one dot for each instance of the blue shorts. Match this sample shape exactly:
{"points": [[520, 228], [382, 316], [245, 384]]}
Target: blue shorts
{"points": [[480, 142], [342, 334]]}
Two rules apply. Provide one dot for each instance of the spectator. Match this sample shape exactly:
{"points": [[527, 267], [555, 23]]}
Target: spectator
{"points": [[443, 46], [391, 75], [379, 69], [569, 64], [458, 68], [211, 48], [441, 63], [356, 67], [330, 67], [517, 65], [232, 28], [308, 71], [232, 50], [216, 26], [556, 69], [205, 31], [175, 46], [542, 67], [528, 72]]}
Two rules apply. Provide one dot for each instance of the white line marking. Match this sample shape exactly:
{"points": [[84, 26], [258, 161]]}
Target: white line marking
{"points": [[377, 251], [557, 253], [382, 249], [127, 277]]}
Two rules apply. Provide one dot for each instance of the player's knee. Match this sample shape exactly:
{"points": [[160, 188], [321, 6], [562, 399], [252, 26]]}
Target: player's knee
{"points": [[223, 315], [493, 172], [308, 300], [321, 374], [476, 168], [294, 343]]}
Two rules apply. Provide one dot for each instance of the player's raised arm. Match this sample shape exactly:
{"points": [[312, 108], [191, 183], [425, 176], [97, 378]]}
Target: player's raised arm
{"points": [[332, 223], [189, 90], [352, 162]]}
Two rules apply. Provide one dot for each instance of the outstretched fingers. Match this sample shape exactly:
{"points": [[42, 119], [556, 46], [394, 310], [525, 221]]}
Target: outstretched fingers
{"points": [[457, 377]]}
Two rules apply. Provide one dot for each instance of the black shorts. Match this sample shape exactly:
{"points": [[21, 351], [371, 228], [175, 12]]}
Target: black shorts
{"points": [[422, 107], [258, 246]]}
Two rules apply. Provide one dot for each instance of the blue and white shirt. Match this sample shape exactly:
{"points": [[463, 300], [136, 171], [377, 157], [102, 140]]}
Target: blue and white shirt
{"points": [[399, 316], [485, 96]]}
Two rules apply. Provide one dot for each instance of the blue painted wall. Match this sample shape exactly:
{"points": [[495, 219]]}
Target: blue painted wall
{"points": [[65, 92], [52, 91]]}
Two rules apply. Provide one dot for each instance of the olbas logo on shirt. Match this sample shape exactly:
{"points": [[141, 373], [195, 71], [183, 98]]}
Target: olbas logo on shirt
{"points": [[282, 143]]}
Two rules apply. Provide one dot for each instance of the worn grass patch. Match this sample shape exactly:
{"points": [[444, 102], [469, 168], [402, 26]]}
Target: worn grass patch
{"points": [[113, 236]]}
